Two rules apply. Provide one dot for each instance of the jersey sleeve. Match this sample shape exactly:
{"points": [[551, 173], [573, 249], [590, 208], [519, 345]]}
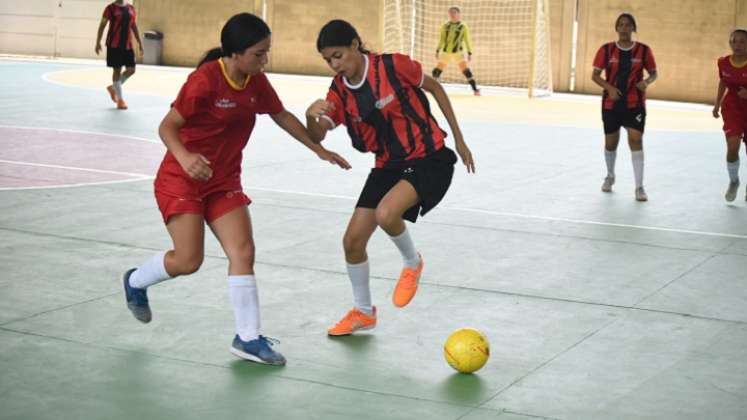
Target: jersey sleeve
{"points": [[337, 116], [194, 96], [650, 61], [107, 12], [408, 69], [599, 62], [268, 100], [467, 39]]}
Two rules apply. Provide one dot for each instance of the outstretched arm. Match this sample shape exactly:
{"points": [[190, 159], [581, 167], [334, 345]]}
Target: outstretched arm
{"points": [[435, 89], [293, 126]]}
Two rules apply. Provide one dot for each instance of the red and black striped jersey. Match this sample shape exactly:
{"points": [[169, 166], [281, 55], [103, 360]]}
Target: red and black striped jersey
{"points": [[623, 68], [387, 113], [121, 19]]}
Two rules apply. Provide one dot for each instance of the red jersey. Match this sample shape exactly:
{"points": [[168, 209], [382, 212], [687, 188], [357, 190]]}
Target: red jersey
{"points": [[733, 77], [220, 117], [121, 19], [623, 68], [387, 113]]}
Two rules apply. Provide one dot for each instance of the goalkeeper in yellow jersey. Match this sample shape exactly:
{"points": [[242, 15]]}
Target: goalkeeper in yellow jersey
{"points": [[454, 41]]}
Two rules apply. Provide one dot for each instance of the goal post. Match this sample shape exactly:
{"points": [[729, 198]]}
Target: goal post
{"points": [[510, 39]]}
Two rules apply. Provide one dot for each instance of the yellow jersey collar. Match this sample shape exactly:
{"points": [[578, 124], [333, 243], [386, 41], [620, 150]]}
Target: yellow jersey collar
{"points": [[234, 85]]}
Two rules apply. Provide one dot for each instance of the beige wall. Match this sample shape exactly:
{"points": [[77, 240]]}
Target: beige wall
{"points": [[191, 27], [562, 15], [686, 36]]}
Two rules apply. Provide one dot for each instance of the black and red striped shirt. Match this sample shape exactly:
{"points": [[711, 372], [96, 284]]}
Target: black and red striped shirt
{"points": [[387, 113], [623, 68], [121, 19]]}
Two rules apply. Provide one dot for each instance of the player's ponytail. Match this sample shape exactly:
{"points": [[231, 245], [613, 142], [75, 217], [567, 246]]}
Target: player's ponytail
{"points": [[239, 33], [339, 33]]}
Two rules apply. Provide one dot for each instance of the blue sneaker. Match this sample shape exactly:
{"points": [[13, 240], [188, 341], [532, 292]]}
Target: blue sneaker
{"points": [[137, 299], [258, 350]]}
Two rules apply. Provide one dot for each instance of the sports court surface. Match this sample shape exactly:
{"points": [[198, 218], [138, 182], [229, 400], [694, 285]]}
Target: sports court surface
{"points": [[596, 306]]}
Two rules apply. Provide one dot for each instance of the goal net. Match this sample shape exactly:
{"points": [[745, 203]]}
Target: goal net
{"points": [[510, 39]]}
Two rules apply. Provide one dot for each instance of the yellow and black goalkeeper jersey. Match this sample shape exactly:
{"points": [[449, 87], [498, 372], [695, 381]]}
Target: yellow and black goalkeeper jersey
{"points": [[454, 38]]}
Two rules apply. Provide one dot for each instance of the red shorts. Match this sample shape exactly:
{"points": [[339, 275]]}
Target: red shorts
{"points": [[211, 207], [735, 121]]}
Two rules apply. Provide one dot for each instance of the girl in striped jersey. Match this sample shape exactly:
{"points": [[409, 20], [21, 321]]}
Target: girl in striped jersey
{"points": [[624, 98], [381, 101], [454, 40], [121, 18], [731, 99]]}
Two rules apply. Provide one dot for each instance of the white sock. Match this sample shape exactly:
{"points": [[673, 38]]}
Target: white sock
{"points": [[406, 248], [151, 272], [118, 88], [733, 168], [637, 158], [609, 157], [359, 275], [245, 300]]}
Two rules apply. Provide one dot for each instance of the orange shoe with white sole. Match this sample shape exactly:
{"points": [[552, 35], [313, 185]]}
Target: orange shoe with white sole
{"points": [[407, 285], [121, 104], [353, 321], [112, 93]]}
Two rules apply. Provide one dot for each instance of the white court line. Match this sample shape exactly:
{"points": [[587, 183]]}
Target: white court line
{"points": [[72, 168], [534, 217], [83, 184], [69, 130]]}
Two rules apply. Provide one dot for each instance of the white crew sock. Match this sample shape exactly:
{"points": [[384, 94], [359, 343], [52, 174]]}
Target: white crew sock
{"points": [[733, 168], [359, 276], [637, 158], [609, 158], [151, 272], [242, 291], [407, 249]]}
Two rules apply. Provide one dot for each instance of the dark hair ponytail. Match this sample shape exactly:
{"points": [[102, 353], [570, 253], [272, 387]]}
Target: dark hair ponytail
{"points": [[338, 33], [630, 17], [239, 33]]}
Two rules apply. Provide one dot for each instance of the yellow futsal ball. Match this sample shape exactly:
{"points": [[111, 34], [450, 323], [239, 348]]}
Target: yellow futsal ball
{"points": [[467, 350]]}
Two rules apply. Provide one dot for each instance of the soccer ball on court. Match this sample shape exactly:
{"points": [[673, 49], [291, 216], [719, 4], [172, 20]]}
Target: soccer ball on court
{"points": [[466, 350]]}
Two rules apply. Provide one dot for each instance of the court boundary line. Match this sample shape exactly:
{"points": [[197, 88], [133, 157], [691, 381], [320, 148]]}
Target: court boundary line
{"points": [[75, 131]]}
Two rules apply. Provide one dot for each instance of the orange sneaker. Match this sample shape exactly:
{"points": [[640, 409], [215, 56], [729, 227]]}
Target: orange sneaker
{"points": [[112, 93], [121, 104], [407, 285], [353, 321], [477, 93]]}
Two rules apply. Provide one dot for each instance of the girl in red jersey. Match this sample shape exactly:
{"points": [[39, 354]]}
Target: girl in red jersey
{"points": [[624, 99], [199, 179], [733, 105], [119, 53], [381, 101]]}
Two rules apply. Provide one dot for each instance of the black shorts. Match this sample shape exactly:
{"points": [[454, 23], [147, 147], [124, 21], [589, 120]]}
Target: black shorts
{"points": [[613, 119], [117, 57], [430, 177]]}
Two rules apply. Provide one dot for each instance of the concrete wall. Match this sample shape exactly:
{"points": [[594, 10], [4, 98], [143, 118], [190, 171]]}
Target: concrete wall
{"points": [[686, 36], [192, 27], [562, 16], [56, 28]]}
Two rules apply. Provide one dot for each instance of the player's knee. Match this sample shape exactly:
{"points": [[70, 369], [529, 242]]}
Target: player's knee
{"points": [[386, 217], [242, 253], [188, 264], [354, 244], [467, 73], [436, 73]]}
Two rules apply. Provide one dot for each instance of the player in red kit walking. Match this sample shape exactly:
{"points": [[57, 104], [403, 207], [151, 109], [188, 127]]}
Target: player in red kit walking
{"points": [[121, 18], [624, 98], [381, 100], [199, 180], [731, 99]]}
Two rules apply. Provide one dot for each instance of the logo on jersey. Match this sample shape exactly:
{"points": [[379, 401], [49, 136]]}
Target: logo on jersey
{"points": [[408, 171], [225, 103], [381, 103]]}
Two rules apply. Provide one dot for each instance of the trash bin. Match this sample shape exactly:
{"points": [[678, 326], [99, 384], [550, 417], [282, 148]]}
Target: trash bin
{"points": [[152, 47]]}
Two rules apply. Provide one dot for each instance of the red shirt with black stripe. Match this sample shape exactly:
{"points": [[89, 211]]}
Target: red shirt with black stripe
{"points": [[121, 19], [387, 113], [623, 68], [220, 117]]}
